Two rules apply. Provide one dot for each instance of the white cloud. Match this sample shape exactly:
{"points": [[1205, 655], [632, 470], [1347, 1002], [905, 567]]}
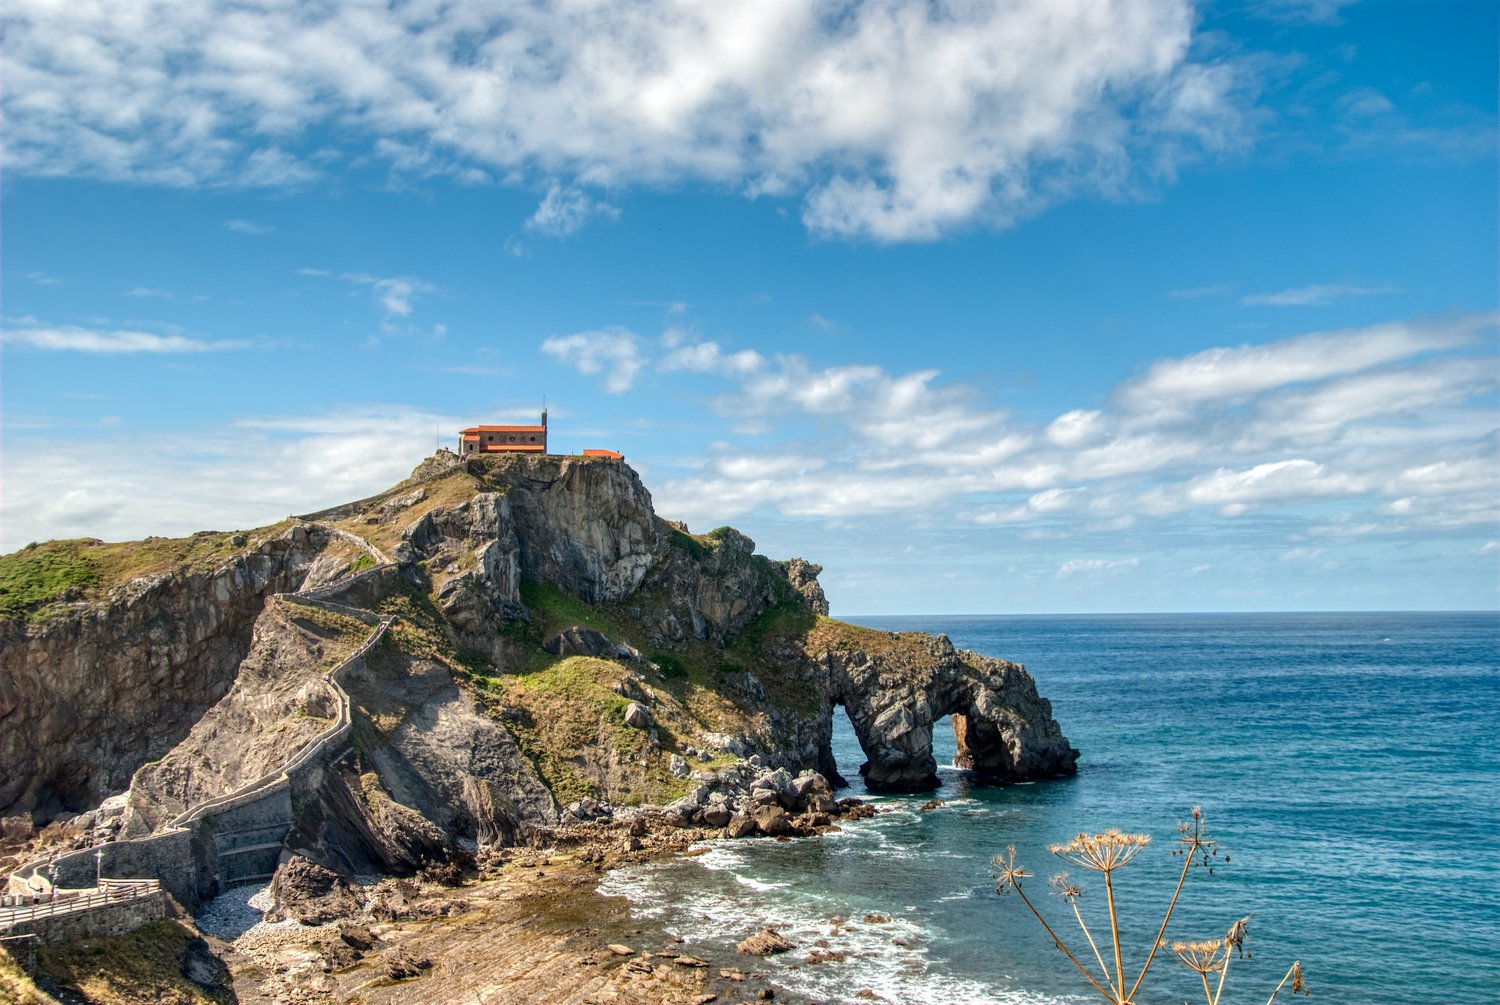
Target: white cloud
{"points": [[708, 357], [1227, 373], [393, 295], [1076, 428], [892, 121], [69, 338], [1096, 566], [1275, 481], [1449, 476], [614, 352], [273, 167], [1319, 411], [1313, 296], [1359, 421], [565, 210], [42, 279], [250, 473], [148, 293]]}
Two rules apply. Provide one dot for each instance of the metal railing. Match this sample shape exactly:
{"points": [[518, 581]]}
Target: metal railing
{"points": [[111, 892]]}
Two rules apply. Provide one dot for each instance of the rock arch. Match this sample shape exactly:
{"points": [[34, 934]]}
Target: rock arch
{"points": [[896, 691]]}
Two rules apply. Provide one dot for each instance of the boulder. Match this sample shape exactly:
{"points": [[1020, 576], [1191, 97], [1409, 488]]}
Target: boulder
{"points": [[305, 891], [637, 715], [579, 641], [403, 963], [812, 792], [357, 937], [778, 782], [739, 826], [772, 821], [765, 942]]}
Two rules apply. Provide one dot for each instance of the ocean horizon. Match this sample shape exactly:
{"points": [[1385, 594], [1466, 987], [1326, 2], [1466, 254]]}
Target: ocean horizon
{"points": [[1345, 763]]}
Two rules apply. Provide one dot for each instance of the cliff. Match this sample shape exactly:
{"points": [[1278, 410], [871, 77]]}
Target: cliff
{"points": [[547, 649]]}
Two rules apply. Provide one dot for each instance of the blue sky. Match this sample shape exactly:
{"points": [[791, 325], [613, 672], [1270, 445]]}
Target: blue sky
{"points": [[1036, 306]]}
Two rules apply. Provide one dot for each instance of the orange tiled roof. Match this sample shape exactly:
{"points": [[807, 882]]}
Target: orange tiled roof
{"points": [[504, 429], [604, 453]]}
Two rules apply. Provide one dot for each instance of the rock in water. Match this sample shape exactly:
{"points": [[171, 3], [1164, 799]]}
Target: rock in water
{"points": [[765, 942]]}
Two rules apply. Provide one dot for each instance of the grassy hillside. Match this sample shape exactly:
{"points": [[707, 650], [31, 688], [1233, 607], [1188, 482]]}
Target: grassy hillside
{"points": [[85, 568]]}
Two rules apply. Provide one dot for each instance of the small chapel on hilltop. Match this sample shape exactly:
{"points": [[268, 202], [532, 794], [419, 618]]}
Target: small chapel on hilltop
{"points": [[504, 439], [515, 440]]}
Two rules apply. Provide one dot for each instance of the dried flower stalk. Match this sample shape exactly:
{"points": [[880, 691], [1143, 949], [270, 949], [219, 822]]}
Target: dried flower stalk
{"points": [[1111, 850]]}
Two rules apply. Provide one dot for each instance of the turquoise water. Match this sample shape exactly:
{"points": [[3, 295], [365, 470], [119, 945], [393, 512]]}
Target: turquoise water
{"points": [[1347, 764]]}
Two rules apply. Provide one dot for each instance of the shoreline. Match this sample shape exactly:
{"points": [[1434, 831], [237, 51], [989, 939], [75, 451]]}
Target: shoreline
{"points": [[534, 929]]}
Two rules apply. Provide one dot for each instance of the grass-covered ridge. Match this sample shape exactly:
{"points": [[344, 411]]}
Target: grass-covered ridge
{"points": [[40, 574], [829, 635], [383, 519]]}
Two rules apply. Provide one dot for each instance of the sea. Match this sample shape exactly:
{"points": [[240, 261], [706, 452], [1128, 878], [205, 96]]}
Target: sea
{"points": [[1347, 765]]}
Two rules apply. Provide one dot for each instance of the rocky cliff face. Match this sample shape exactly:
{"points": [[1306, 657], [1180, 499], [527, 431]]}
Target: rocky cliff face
{"points": [[557, 649], [96, 688]]}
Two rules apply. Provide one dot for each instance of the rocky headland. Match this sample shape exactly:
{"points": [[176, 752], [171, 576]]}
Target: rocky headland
{"points": [[499, 654]]}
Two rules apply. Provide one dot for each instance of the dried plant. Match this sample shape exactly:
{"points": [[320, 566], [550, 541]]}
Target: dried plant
{"points": [[1110, 851]]}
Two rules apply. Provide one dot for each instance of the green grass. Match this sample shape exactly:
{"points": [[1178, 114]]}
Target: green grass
{"points": [[553, 609], [363, 562], [16, 987], [39, 574], [671, 665], [572, 706]]}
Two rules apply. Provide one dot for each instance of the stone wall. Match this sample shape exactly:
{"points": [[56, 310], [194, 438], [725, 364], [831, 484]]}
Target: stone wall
{"points": [[170, 857], [116, 918]]}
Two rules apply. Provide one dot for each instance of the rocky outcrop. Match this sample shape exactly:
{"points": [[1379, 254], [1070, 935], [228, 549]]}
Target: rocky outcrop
{"points": [[277, 703], [433, 778], [765, 942], [554, 643], [1005, 730], [94, 690], [305, 891], [584, 526]]}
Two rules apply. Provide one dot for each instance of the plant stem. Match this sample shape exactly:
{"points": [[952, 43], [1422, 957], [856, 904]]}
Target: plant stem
{"points": [[1087, 935], [1222, 975], [1283, 982], [1187, 862], [1206, 993], [1109, 996], [1114, 928]]}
